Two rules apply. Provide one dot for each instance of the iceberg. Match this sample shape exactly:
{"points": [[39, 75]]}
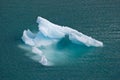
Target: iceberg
{"points": [[50, 33]]}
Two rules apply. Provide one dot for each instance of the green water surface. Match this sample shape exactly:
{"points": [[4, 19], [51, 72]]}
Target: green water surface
{"points": [[97, 18]]}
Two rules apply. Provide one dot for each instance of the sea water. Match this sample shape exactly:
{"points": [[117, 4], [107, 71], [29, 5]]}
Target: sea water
{"points": [[99, 19]]}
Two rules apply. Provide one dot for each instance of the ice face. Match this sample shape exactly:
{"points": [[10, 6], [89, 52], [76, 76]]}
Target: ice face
{"points": [[50, 33]]}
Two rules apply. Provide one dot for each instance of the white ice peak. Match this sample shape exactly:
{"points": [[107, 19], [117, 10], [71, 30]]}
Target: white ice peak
{"points": [[50, 33]]}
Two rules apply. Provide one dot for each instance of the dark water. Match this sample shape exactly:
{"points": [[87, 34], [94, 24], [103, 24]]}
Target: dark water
{"points": [[97, 18]]}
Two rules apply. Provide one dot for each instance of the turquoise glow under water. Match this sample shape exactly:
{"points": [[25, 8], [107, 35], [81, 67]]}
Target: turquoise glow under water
{"points": [[62, 53]]}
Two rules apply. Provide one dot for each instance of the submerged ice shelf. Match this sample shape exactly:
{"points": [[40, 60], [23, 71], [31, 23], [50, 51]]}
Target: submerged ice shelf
{"points": [[50, 33]]}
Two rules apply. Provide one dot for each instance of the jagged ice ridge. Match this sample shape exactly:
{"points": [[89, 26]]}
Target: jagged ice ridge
{"points": [[50, 33]]}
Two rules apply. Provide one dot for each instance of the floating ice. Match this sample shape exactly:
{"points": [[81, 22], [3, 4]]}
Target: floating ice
{"points": [[50, 33]]}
